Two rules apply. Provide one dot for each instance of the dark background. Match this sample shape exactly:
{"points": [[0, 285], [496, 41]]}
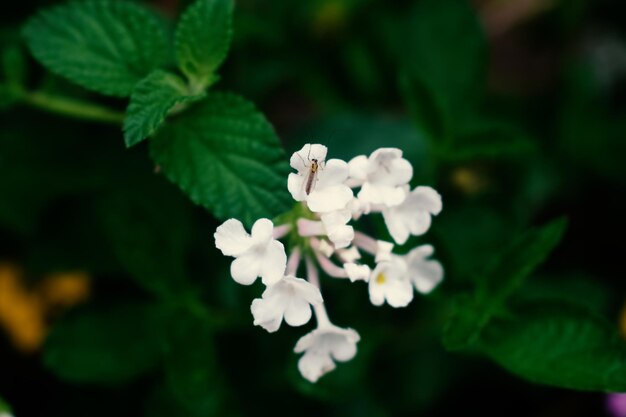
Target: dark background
{"points": [[331, 71]]}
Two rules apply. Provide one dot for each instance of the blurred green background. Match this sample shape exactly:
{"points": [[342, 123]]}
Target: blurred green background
{"points": [[515, 111]]}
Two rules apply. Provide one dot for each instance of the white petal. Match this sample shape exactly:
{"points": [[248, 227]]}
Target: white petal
{"points": [[357, 272], [231, 238], [402, 171], [376, 291], [342, 236], [331, 198], [306, 341], [419, 253], [344, 349], [333, 172], [426, 275], [274, 263], [246, 268], [395, 224], [266, 314], [298, 312], [305, 290], [295, 185], [313, 365], [349, 255], [399, 293], [383, 251], [336, 218], [428, 199], [262, 231], [358, 168], [386, 154], [381, 194], [302, 159]]}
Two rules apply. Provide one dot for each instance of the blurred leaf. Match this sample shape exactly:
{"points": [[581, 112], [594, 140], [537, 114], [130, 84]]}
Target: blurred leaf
{"points": [[4, 407], [108, 346], [575, 289], [472, 312], [105, 46], [446, 52], [191, 365], [13, 65], [152, 99], [488, 139], [149, 230], [520, 259], [202, 39], [225, 155], [558, 345]]}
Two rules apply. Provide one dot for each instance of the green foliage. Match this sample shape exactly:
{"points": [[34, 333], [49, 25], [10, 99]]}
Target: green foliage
{"points": [[149, 232], [105, 46], [107, 346], [445, 56], [190, 366], [4, 407], [154, 97], [472, 312], [202, 40], [225, 155], [558, 344]]}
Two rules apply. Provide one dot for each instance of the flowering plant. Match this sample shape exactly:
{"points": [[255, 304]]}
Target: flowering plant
{"points": [[320, 237]]}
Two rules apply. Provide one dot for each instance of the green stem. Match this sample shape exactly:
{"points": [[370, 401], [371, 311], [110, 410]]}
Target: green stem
{"points": [[70, 107]]}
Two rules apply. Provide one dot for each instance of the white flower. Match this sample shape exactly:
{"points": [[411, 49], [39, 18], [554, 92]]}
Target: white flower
{"points": [[357, 272], [337, 230], [389, 282], [425, 274], [291, 299], [382, 176], [255, 255], [323, 190], [383, 251], [412, 217], [322, 347], [348, 255]]}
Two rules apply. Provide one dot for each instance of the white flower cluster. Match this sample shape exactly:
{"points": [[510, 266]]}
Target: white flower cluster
{"points": [[324, 238]]}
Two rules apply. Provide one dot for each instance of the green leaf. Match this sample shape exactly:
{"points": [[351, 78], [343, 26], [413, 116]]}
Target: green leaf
{"points": [[488, 139], [470, 313], [446, 53], [191, 365], [520, 259], [202, 40], [108, 346], [105, 46], [152, 99], [559, 344], [225, 155], [4, 407], [149, 229]]}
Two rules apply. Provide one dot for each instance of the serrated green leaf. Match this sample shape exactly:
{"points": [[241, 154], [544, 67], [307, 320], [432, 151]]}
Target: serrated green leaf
{"points": [[225, 155], [152, 99], [558, 344], [202, 39], [107, 346], [105, 46]]}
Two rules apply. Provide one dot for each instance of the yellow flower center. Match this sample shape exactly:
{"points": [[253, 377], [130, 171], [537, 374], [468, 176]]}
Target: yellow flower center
{"points": [[381, 278]]}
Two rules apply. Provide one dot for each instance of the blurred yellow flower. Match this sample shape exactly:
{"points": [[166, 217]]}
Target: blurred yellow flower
{"points": [[25, 312]]}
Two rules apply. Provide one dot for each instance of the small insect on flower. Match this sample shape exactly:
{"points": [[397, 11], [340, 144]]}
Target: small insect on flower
{"points": [[313, 168]]}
